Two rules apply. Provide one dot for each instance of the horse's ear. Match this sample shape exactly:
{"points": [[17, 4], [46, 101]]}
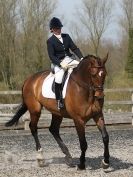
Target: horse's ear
{"points": [[105, 58]]}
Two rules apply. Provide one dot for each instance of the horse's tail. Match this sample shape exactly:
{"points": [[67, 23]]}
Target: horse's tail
{"points": [[22, 109]]}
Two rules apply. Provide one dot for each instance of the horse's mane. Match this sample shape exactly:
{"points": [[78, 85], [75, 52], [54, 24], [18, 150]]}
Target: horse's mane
{"points": [[91, 56], [88, 56]]}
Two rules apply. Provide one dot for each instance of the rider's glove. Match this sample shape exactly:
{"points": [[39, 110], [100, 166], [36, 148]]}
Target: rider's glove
{"points": [[64, 65]]}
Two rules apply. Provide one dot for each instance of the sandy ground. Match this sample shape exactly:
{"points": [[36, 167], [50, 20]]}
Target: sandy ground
{"points": [[18, 156]]}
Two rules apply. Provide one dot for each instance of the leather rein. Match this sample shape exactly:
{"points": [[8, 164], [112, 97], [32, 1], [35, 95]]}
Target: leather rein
{"points": [[87, 86]]}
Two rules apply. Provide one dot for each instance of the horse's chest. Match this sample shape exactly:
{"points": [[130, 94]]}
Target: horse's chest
{"points": [[93, 109], [96, 107]]}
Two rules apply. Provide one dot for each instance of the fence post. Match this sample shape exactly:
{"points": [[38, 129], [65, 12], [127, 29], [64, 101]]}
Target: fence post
{"points": [[132, 107], [26, 121], [26, 125]]}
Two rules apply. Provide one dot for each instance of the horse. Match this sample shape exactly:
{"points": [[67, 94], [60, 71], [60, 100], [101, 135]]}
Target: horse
{"points": [[83, 101]]}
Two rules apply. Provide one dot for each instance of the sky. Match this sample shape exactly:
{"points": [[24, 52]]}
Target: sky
{"points": [[66, 12], [67, 7]]}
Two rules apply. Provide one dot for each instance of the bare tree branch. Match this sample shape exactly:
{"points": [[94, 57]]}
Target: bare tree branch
{"points": [[96, 17]]}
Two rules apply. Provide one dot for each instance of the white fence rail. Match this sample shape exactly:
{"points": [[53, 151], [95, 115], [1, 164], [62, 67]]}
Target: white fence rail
{"points": [[110, 116]]}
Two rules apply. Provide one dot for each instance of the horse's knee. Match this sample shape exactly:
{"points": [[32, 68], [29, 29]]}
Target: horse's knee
{"points": [[33, 128], [105, 135], [106, 138], [53, 131]]}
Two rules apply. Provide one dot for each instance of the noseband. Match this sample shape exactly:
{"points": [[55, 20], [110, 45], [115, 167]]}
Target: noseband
{"points": [[99, 87], [88, 86]]}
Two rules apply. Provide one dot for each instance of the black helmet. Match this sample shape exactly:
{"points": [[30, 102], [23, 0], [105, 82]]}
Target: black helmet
{"points": [[55, 23]]}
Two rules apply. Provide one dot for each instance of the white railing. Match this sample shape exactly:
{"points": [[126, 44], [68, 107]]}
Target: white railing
{"points": [[110, 117]]}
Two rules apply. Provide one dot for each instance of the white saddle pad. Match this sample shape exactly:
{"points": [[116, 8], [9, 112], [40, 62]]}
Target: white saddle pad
{"points": [[47, 86]]}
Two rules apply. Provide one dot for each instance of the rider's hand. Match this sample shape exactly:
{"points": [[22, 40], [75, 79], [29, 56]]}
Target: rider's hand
{"points": [[63, 65]]}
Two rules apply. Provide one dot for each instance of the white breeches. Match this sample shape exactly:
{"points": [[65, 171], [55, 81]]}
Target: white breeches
{"points": [[59, 72]]}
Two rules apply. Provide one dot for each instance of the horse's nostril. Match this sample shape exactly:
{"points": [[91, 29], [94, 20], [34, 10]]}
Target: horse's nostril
{"points": [[99, 94]]}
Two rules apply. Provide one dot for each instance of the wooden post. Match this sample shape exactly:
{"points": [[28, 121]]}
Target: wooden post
{"points": [[26, 125], [26, 121], [132, 107]]}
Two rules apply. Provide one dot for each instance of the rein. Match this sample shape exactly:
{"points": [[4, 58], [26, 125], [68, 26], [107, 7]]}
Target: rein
{"points": [[86, 86]]}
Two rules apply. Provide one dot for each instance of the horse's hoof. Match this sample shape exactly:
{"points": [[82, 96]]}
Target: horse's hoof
{"points": [[104, 165], [81, 167], [41, 162], [69, 161]]}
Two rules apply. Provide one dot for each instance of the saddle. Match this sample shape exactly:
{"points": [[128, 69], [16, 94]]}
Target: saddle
{"points": [[48, 86]]}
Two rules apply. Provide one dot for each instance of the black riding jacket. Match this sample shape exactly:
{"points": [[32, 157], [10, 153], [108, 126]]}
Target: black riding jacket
{"points": [[58, 50]]}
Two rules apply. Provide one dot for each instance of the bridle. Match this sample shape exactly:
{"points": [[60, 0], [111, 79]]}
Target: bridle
{"points": [[90, 87], [99, 87]]}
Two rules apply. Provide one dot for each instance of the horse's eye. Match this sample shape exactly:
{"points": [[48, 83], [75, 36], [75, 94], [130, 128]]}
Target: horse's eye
{"points": [[100, 73]]}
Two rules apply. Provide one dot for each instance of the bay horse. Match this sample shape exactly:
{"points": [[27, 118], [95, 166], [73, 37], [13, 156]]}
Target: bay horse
{"points": [[84, 100]]}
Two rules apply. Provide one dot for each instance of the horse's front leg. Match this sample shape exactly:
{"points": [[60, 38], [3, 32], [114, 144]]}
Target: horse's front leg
{"points": [[80, 127], [101, 126]]}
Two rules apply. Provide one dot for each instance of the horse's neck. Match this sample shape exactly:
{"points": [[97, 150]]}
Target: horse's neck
{"points": [[83, 84], [81, 75]]}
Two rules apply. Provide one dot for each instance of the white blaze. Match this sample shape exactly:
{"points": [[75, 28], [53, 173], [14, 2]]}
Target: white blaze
{"points": [[100, 73]]}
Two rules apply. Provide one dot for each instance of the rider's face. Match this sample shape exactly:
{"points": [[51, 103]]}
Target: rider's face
{"points": [[56, 31]]}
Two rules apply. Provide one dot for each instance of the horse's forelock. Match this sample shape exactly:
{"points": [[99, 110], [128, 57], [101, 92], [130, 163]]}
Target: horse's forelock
{"points": [[89, 57]]}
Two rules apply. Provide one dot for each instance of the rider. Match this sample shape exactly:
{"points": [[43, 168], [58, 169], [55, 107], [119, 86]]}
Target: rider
{"points": [[59, 46]]}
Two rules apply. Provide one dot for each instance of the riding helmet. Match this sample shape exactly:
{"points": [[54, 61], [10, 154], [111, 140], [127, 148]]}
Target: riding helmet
{"points": [[55, 23]]}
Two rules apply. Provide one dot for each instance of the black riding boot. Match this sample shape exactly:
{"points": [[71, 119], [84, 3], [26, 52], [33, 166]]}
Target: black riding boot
{"points": [[58, 94]]}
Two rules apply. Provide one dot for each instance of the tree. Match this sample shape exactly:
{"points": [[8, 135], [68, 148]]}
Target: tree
{"points": [[23, 35], [96, 17], [34, 15], [7, 40], [127, 6], [129, 64]]}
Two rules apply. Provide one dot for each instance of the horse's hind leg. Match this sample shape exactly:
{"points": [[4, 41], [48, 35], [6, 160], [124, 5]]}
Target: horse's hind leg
{"points": [[101, 126], [54, 129], [35, 112]]}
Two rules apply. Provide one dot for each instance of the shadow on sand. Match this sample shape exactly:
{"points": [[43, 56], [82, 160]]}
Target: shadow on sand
{"points": [[95, 163]]}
